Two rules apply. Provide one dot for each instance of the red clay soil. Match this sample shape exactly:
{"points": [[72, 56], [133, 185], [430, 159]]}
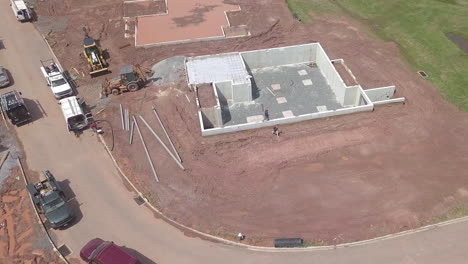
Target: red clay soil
{"points": [[144, 8], [332, 180], [21, 239], [186, 20], [206, 95], [345, 75]]}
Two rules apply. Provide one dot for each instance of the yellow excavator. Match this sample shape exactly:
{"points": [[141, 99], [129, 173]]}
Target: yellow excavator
{"points": [[93, 54], [131, 79]]}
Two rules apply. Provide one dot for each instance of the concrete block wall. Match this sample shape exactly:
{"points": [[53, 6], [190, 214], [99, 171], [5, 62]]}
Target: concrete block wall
{"points": [[331, 75], [279, 56]]}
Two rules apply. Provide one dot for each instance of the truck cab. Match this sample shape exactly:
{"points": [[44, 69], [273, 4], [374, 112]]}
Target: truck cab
{"points": [[49, 199], [73, 113], [56, 80], [13, 105], [21, 10]]}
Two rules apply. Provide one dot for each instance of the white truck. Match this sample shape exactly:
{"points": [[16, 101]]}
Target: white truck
{"points": [[74, 116], [56, 79], [22, 12]]}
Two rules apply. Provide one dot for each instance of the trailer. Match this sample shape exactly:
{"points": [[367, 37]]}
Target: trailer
{"points": [[55, 78], [21, 10]]}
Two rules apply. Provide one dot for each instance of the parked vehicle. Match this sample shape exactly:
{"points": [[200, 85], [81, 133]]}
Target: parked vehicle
{"points": [[4, 78], [98, 251], [73, 113], [13, 105], [49, 199], [55, 78], [22, 12]]}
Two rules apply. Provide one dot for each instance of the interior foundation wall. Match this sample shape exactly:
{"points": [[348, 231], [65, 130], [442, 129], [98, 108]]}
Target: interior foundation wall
{"points": [[224, 91], [331, 75], [241, 92]]}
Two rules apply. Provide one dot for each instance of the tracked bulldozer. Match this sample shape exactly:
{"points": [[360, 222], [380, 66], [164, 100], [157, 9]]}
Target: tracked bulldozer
{"points": [[131, 79], [93, 55]]}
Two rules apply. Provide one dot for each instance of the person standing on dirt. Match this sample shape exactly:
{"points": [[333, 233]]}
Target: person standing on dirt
{"points": [[276, 130], [267, 115]]}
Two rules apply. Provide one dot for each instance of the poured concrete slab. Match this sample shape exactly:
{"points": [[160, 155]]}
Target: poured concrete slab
{"points": [[185, 21], [217, 68], [300, 99]]}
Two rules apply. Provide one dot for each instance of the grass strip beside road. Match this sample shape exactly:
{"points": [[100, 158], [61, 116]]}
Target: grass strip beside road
{"points": [[419, 27]]}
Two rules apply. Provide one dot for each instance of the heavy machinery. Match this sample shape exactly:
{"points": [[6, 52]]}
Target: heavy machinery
{"points": [[131, 79], [93, 54]]}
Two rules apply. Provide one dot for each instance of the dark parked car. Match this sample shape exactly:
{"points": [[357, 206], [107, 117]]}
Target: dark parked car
{"points": [[49, 199], [98, 251], [4, 78]]}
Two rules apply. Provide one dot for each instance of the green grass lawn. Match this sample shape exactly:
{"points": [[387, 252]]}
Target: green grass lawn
{"points": [[419, 27]]}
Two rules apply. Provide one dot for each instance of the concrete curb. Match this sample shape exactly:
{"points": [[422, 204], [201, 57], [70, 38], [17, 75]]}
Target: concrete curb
{"points": [[39, 220], [272, 249]]}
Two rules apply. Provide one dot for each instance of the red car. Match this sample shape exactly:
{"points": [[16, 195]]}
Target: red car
{"points": [[98, 251]]}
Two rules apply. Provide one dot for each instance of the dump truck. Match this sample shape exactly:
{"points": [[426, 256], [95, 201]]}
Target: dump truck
{"points": [[93, 54], [50, 200], [22, 12], [16, 110], [73, 112], [131, 79], [55, 78]]}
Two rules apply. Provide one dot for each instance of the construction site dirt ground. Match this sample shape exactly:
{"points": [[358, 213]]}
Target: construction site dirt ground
{"points": [[328, 181], [21, 238]]}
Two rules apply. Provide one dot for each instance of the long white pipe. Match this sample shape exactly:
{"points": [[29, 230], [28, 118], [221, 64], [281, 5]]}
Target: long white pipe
{"points": [[162, 143], [146, 150], [167, 135]]}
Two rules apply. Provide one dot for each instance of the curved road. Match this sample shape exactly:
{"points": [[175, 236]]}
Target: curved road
{"points": [[108, 208]]}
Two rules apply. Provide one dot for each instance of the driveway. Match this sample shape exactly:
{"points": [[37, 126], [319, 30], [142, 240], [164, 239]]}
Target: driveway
{"points": [[107, 206]]}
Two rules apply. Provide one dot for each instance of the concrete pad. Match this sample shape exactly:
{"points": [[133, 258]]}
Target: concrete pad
{"points": [[322, 108], [288, 113], [255, 119], [302, 72], [281, 100], [307, 82], [276, 86], [185, 21]]}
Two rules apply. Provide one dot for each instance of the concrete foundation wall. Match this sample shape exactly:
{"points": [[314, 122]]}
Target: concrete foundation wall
{"points": [[241, 92], [280, 56], [351, 97], [333, 77], [380, 94], [224, 91], [229, 129], [211, 117]]}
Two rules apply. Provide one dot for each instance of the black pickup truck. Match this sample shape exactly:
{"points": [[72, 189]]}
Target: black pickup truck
{"points": [[13, 105], [49, 199]]}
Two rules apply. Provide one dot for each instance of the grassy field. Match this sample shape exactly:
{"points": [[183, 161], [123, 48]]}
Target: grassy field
{"points": [[419, 27]]}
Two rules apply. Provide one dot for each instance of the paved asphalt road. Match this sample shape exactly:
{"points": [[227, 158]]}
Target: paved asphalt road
{"points": [[108, 210]]}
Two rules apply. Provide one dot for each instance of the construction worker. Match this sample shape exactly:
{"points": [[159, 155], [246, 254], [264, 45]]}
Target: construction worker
{"points": [[267, 115], [276, 130]]}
